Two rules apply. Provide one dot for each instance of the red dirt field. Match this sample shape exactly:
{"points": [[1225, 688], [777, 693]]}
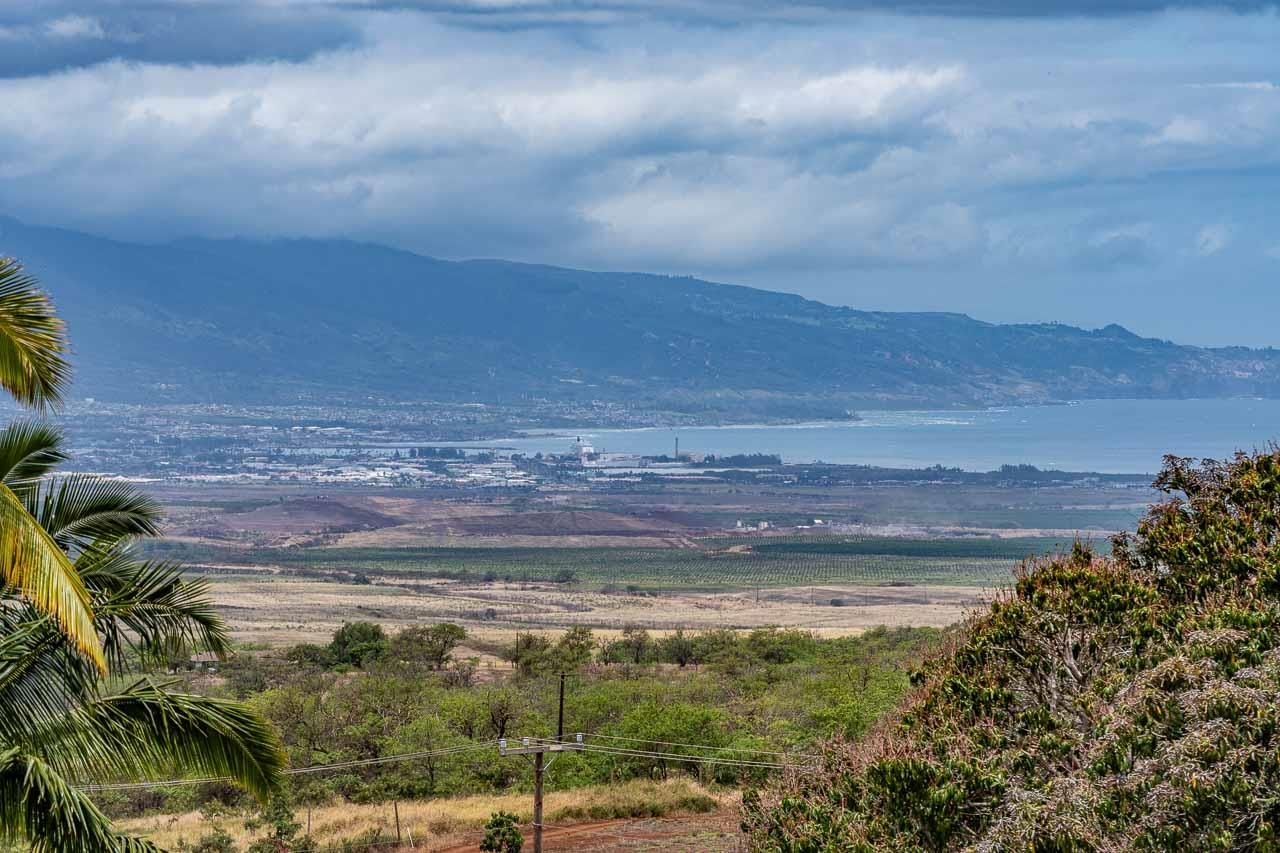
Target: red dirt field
{"points": [[714, 833]]}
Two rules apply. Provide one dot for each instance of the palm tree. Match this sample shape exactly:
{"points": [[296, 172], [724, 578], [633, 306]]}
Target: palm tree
{"points": [[62, 724], [75, 598], [34, 369]]}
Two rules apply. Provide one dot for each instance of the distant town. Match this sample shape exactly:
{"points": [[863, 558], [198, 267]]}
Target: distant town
{"points": [[440, 446]]}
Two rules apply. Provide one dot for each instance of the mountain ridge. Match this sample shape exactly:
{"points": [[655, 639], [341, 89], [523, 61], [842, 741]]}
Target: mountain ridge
{"points": [[235, 320]]}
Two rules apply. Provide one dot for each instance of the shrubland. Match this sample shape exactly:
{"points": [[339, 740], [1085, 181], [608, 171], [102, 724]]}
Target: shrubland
{"points": [[371, 694], [1121, 702]]}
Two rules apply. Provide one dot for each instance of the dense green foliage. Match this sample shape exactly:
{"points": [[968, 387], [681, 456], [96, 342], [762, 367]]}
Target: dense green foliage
{"points": [[502, 834], [772, 690], [1129, 702]]}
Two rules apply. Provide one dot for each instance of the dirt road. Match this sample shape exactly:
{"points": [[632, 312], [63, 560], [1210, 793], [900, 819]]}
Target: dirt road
{"points": [[715, 833]]}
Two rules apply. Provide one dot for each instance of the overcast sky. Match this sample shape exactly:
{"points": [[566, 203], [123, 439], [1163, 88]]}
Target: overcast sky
{"points": [[1081, 161]]}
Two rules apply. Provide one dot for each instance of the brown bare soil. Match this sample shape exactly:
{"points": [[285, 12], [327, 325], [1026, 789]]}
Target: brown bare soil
{"points": [[351, 519], [312, 514], [660, 516], [714, 833]]}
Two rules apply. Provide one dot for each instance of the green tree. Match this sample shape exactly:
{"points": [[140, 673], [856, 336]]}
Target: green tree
{"points": [[678, 649], [504, 707], [502, 834], [217, 841], [311, 655], [281, 827], [663, 727], [638, 643], [358, 644], [635, 646], [427, 735], [430, 645], [573, 650], [530, 653], [774, 645]]}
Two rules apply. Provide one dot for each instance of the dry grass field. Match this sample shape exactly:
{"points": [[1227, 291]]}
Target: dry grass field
{"points": [[454, 823], [263, 607]]}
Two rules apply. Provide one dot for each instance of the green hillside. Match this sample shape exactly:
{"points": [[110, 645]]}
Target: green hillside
{"points": [[1129, 702]]}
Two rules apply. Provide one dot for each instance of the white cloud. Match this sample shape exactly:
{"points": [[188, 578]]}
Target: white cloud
{"points": [[75, 27], [1212, 239], [1255, 85], [1182, 130], [863, 142]]}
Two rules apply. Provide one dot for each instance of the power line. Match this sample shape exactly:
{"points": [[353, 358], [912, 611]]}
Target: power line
{"points": [[298, 771], [605, 749], [694, 759], [680, 756], [701, 746]]}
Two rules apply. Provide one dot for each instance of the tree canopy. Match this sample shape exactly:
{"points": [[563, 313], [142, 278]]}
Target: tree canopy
{"points": [[1127, 702]]}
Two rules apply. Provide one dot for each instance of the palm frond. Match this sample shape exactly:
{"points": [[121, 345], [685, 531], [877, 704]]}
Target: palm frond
{"points": [[81, 509], [33, 344], [28, 451], [33, 564], [143, 612], [148, 607], [40, 807], [146, 730], [40, 677]]}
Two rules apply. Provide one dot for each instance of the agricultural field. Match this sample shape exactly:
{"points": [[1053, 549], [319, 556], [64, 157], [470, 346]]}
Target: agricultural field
{"points": [[287, 562], [831, 585], [729, 563]]}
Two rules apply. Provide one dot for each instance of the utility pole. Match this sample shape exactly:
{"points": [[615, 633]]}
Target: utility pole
{"points": [[560, 716], [538, 749], [537, 802]]}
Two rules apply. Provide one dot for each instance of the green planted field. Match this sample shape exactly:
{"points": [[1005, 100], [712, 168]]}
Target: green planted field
{"points": [[1012, 549], [781, 562]]}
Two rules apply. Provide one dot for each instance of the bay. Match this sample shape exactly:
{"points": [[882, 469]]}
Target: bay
{"points": [[1108, 436]]}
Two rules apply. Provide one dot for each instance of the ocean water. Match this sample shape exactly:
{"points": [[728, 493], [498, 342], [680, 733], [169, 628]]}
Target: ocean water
{"points": [[1110, 436]]}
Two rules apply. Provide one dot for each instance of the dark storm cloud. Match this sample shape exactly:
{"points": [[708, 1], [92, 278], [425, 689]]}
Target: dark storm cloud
{"points": [[968, 161], [38, 38], [728, 10], [1039, 8]]}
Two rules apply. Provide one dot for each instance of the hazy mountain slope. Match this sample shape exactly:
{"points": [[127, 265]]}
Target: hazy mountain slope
{"points": [[238, 320]]}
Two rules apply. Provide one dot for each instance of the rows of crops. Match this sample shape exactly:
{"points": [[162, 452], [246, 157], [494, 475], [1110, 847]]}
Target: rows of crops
{"points": [[776, 563], [1021, 518], [974, 546]]}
